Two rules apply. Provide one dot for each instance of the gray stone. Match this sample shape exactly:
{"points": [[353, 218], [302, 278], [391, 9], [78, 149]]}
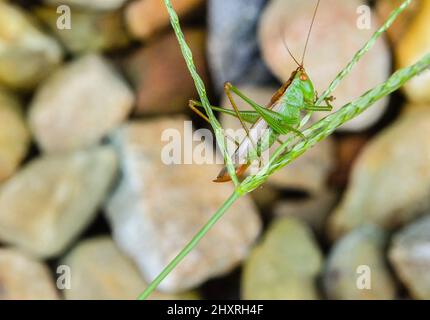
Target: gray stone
{"points": [[390, 183], [53, 198], [410, 256], [355, 261], [24, 278], [232, 45]]}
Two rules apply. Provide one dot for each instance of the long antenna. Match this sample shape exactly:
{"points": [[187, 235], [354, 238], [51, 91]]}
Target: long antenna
{"points": [[309, 33], [286, 46]]}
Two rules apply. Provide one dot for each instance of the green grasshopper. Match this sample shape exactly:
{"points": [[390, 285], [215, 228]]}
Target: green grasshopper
{"points": [[281, 116]]}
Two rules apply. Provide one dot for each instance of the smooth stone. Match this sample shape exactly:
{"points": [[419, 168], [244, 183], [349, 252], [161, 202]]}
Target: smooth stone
{"points": [[27, 54], [409, 254], [361, 249], [100, 271], [284, 266], [335, 39], [145, 18], [233, 49], [348, 148], [93, 4], [390, 180], [91, 31], [308, 173], [49, 202], [161, 61], [24, 278], [14, 134], [158, 208], [313, 209], [412, 47], [79, 104]]}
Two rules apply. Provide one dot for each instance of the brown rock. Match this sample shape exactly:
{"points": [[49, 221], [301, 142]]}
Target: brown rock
{"points": [[409, 255], [145, 17], [390, 181], [412, 47], [160, 75], [24, 278]]}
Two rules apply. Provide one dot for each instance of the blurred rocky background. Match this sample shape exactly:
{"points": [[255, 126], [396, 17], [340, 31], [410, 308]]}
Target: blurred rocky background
{"points": [[83, 191]]}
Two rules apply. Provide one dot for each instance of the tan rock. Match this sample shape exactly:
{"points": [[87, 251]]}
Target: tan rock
{"points": [[79, 104], [158, 208], [390, 181], [24, 278], [27, 55], [161, 62], [14, 134], [100, 271], [145, 17], [52, 199], [409, 255], [284, 266]]}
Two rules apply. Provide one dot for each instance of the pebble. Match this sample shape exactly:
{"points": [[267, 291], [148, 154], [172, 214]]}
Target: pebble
{"points": [[334, 40], [356, 268], [410, 256], [313, 209], [79, 104], [159, 62], [284, 266], [390, 179], [24, 278], [233, 49], [145, 18], [27, 54], [158, 208], [14, 134], [49, 202], [412, 47], [102, 272], [91, 31]]}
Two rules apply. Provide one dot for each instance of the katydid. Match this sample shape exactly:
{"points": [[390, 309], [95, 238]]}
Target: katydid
{"points": [[281, 116]]}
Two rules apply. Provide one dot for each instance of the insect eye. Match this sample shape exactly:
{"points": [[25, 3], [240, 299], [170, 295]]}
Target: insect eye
{"points": [[303, 77]]}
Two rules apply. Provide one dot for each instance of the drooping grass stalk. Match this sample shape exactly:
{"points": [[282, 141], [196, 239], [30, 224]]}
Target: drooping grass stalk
{"points": [[289, 151]]}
